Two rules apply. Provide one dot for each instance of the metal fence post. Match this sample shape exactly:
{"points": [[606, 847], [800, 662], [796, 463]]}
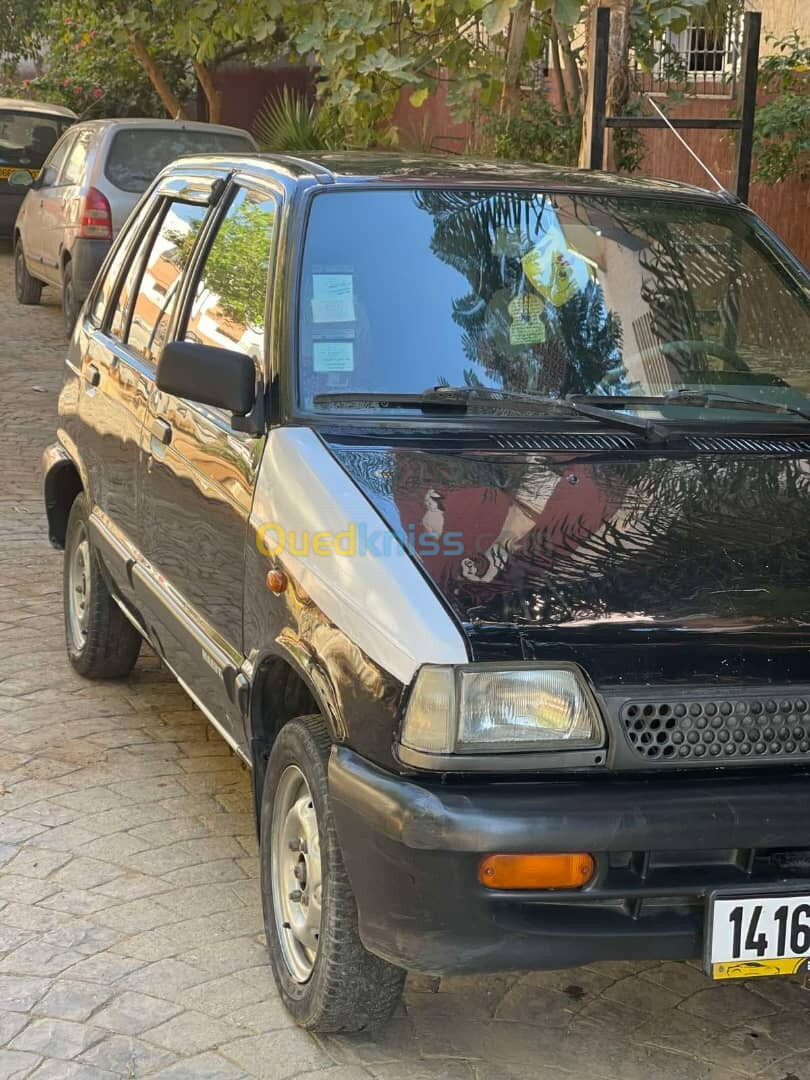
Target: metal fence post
{"points": [[596, 145], [748, 82]]}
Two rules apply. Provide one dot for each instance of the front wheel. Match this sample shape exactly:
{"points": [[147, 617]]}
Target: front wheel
{"points": [[26, 288], [101, 642], [326, 978]]}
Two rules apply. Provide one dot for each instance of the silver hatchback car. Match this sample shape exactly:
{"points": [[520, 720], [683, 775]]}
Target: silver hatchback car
{"points": [[91, 180]]}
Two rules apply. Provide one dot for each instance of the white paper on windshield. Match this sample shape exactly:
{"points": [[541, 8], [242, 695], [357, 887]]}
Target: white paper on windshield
{"points": [[332, 298], [329, 356]]}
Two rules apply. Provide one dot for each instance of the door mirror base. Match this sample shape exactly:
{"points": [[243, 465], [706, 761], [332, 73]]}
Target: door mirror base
{"points": [[252, 423]]}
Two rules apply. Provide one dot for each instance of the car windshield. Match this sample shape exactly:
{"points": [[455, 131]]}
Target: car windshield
{"points": [[404, 291], [26, 138], [137, 154]]}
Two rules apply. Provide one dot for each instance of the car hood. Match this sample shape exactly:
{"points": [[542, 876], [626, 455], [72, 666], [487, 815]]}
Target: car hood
{"points": [[621, 541]]}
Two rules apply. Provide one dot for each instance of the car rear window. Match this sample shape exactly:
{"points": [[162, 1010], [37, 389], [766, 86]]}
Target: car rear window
{"points": [[26, 138], [138, 154]]}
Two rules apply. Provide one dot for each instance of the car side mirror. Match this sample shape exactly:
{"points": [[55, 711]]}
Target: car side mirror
{"points": [[22, 179], [222, 378]]}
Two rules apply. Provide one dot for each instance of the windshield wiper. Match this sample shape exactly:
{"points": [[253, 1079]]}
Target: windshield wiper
{"points": [[455, 398], [717, 399], [426, 401]]}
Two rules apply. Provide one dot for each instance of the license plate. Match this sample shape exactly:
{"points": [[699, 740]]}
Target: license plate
{"points": [[6, 171], [748, 936]]}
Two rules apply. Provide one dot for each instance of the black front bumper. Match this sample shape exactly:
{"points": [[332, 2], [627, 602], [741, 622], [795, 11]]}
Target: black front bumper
{"points": [[661, 843]]}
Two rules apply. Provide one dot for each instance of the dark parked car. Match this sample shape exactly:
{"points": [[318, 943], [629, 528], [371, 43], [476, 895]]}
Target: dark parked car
{"points": [[470, 505], [28, 132]]}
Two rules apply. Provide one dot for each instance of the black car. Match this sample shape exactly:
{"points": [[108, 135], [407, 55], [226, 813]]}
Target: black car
{"points": [[470, 504]]}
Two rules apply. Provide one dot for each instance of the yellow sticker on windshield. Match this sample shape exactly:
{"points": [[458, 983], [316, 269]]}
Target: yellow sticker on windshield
{"points": [[551, 273], [527, 326]]}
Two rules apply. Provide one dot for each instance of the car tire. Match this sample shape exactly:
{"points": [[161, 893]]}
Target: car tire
{"points": [[101, 642], [346, 987], [70, 302], [26, 288]]}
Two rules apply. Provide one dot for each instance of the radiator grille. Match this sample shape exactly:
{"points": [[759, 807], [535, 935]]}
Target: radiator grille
{"points": [[718, 731]]}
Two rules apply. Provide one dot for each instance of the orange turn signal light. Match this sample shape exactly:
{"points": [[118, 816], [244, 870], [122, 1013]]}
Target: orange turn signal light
{"points": [[567, 871]]}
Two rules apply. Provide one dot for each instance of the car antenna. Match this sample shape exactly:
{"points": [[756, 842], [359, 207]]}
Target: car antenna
{"points": [[685, 144]]}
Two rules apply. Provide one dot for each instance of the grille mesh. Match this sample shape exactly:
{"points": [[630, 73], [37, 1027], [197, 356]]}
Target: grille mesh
{"points": [[564, 442], [718, 730], [746, 444]]}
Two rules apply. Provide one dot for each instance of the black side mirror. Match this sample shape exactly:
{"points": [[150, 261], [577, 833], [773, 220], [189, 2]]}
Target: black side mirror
{"points": [[22, 179], [219, 377]]}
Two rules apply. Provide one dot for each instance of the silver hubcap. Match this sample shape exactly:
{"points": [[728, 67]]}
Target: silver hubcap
{"points": [[79, 588], [295, 853]]}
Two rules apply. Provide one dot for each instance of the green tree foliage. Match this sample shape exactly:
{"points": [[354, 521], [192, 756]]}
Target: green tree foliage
{"points": [[782, 126], [89, 71]]}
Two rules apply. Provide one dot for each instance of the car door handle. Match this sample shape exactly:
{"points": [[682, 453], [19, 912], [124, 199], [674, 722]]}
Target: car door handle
{"points": [[93, 375], [162, 431]]}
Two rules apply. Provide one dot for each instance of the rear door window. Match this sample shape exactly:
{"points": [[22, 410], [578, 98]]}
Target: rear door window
{"points": [[149, 292], [228, 306], [137, 155], [52, 167], [73, 169]]}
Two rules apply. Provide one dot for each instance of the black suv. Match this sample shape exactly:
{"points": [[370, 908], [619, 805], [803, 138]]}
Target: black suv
{"points": [[470, 504]]}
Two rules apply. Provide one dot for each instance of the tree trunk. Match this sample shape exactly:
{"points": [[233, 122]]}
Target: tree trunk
{"points": [[570, 71], [556, 71], [618, 87], [157, 78], [212, 95], [516, 46]]}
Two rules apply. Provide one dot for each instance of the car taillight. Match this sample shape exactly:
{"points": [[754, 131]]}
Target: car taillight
{"points": [[95, 219]]}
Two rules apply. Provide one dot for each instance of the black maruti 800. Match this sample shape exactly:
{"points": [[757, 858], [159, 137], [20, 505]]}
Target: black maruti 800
{"points": [[469, 502]]}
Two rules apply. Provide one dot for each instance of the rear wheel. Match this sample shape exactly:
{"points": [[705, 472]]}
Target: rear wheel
{"points": [[70, 302], [26, 288], [101, 642], [326, 978]]}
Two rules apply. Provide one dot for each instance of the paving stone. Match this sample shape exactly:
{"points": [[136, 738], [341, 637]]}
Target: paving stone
{"points": [[11, 1023], [70, 999], [104, 968], [202, 1067], [190, 1032], [163, 978], [16, 1064], [126, 1056], [220, 996], [130, 1013], [55, 1038], [69, 1070], [276, 1055], [36, 862], [20, 993]]}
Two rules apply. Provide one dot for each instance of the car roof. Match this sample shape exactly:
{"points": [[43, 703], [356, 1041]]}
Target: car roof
{"points": [[347, 167], [151, 124], [23, 105]]}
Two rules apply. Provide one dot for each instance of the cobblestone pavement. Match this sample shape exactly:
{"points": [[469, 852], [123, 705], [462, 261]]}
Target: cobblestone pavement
{"points": [[130, 929]]}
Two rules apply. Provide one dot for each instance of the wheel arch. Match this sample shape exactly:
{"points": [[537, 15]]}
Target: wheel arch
{"points": [[281, 690], [62, 484]]}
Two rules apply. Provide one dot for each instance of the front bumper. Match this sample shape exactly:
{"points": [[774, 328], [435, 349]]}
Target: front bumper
{"points": [[661, 843]]}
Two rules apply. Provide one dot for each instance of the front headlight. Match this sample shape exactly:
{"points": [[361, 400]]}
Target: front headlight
{"points": [[489, 708]]}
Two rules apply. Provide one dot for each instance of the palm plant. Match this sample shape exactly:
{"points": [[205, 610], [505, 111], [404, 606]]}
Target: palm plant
{"points": [[288, 121]]}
